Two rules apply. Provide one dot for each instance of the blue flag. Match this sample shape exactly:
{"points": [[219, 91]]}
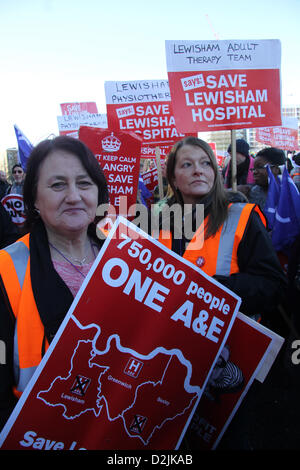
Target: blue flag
{"points": [[287, 217], [272, 198], [24, 147], [144, 191]]}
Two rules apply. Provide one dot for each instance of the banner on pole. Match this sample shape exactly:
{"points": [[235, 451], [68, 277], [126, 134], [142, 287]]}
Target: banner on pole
{"points": [[223, 85], [128, 366]]}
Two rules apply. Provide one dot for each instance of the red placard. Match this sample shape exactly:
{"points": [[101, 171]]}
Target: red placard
{"points": [[130, 361], [78, 108], [150, 179], [119, 156], [284, 137], [143, 107], [219, 85], [231, 379]]}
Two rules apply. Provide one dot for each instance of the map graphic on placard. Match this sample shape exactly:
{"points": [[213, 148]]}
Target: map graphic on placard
{"points": [[154, 378], [130, 362]]}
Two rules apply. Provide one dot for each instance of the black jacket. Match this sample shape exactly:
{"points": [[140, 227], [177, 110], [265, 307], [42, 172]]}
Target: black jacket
{"points": [[8, 230], [53, 300], [260, 282]]}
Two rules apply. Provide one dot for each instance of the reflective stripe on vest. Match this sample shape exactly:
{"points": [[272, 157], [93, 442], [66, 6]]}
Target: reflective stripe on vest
{"points": [[227, 238], [29, 331], [219, 252]]}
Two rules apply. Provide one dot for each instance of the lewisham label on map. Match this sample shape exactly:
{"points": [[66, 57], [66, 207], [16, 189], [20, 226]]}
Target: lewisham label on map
{"points": [[129, 364]]}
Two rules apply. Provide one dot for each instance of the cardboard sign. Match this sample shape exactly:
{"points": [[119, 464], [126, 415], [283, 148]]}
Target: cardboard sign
{"points": [[69, 124], [75, 115], [248, 348], [14, 205], [143, 107], [129, 363], [284, 137], [219, 85], [119, 156]]}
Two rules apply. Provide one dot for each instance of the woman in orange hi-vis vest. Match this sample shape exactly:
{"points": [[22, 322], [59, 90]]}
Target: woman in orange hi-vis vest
{"points": [[231, 242], [41, 272]]}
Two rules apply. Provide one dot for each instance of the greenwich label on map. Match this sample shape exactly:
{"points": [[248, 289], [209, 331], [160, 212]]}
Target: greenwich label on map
{"points": [[128, 365]]}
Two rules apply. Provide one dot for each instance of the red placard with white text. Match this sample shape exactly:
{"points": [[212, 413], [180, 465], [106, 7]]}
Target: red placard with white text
{"points": [[143, 107], [79, 108], [150, 179], [119, 156], [231, 379], [129, 363], [219, 85], [284, 137]]}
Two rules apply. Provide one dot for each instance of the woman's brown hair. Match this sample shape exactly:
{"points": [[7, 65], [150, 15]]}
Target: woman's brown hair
{"points": [[41, 152], [217, 195]]}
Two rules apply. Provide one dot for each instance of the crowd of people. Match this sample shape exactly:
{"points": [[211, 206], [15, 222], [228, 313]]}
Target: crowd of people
{"points": [[62, 189]]}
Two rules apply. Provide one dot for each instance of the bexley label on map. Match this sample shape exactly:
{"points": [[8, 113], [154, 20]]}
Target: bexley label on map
{"points": [[127, 368]]}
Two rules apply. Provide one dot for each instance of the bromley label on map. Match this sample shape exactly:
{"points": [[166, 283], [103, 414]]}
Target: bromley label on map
{"points": [[128, 365]]}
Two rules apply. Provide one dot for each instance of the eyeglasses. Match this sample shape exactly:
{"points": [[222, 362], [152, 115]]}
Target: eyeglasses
{"points": [[259, 168], [17, 171]]}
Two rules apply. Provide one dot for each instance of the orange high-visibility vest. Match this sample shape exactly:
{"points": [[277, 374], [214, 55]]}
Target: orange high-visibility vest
{"points": [[218, 254], [29, 330]]}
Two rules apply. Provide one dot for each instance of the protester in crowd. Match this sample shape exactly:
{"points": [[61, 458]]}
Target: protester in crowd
{"points": [[295, 172], [236, 196], [156, 194], [294, 285], [244, 164], [4, 185], [237, 250], [8, 230], [268, 156], [63, 187], [143, 194], [18, 180]]}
